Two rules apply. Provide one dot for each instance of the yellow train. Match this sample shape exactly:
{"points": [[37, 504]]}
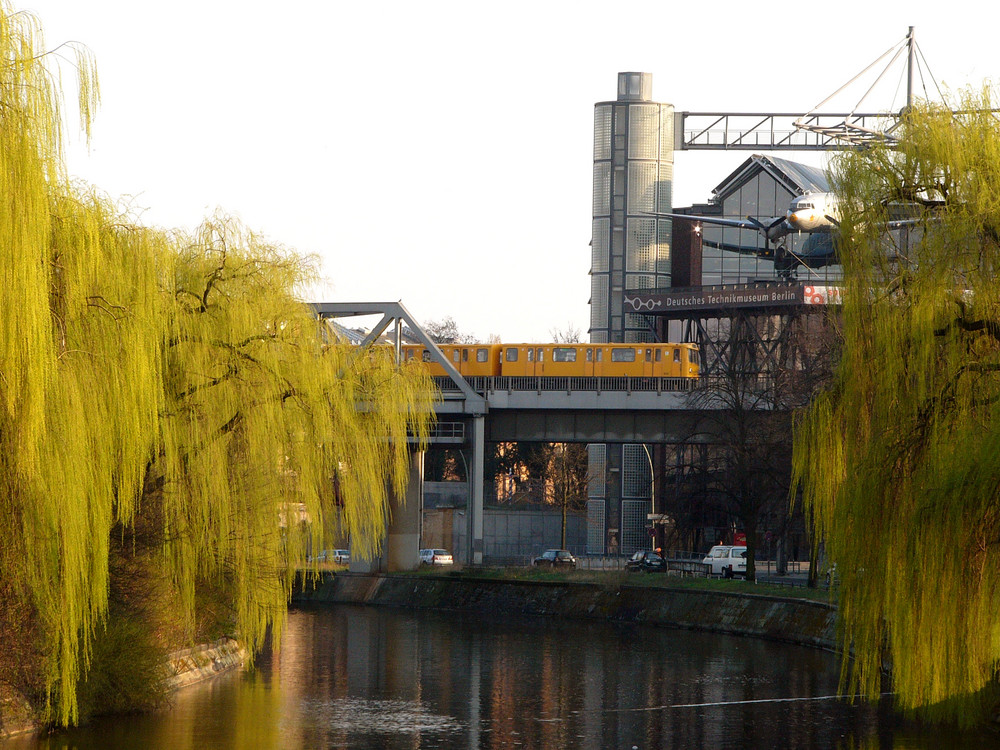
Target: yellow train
{"points": [[564, 360]]}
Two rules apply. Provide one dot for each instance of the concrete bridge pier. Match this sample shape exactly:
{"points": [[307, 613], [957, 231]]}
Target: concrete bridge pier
{"points": [[475, 505], [401, 544]]}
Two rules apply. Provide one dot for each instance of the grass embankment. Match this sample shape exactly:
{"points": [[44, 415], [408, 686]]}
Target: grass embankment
{"points": [[617, 578]]}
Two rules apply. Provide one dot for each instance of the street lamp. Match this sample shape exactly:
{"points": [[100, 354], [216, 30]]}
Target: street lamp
{"points": [[652, 490]]}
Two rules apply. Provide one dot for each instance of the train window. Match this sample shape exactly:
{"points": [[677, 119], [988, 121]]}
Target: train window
{"points": [[425, 355], [590, 355], [623, 355], [659, 353], [465, 355], [677, 355], [531, 354], [563, 354], [511, 354], [482, 355], [649, 355], [454, 356], [600, 355], [541, 354]]}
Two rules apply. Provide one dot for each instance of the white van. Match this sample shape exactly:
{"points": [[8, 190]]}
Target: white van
{"points": [[727, 560]]}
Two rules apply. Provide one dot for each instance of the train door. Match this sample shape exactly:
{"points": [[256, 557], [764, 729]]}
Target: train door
{"points": [[526, 355], [588, 362], [647, 362], [455, 354], [599, 356]]}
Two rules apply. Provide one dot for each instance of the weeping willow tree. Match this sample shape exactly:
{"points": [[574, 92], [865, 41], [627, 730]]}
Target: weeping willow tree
{"points": [[170, 375], [898, 461]]}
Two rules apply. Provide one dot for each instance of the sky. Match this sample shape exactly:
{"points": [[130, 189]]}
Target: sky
{"points": [[440, 153]]}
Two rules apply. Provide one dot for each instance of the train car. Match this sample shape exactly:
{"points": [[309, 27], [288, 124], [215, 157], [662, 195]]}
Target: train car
{"points": [[471, 360], [475, 360], [688, 357], [649, 360], [547, 360], [563, 360], [601, 360]]}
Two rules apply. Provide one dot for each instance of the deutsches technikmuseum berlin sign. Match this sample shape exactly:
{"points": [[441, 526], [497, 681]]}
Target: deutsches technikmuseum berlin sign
{"points": [[735, 296]]}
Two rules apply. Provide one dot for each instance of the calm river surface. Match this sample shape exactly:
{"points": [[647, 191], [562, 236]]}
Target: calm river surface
{"points": [[356, 677]]}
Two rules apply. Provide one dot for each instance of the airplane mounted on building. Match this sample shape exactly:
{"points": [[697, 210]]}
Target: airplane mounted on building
{"points": [[815, 214], [811, 213]]}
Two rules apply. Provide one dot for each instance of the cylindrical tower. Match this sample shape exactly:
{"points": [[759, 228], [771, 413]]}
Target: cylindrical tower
{"points": [[633, 177]]}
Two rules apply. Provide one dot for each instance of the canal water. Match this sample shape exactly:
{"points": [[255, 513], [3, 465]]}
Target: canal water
{"points": [[367, 678]]}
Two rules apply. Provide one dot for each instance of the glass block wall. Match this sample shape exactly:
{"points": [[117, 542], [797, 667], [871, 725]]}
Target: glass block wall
{"points": [[633, 178], [634, 534]]}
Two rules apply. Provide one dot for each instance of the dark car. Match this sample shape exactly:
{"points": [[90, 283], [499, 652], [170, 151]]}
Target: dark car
{"points": [[555, 558], [647, 560]]}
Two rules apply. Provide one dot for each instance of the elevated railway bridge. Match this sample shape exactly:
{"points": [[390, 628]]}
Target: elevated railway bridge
{"points": [[472, 412]]}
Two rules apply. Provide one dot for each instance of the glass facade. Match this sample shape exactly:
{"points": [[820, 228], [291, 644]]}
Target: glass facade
{"points": [[633, 175]]}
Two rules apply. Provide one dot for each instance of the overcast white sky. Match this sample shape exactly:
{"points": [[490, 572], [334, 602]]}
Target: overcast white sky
{"points": [[439, 153]]}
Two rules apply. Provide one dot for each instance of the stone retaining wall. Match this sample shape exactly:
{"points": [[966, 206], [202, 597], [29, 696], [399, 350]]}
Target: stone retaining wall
{"points": [[184, 667], [192, 665], [777, 618]]}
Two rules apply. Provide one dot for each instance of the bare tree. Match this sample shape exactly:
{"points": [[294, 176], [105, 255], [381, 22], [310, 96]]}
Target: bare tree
{"points": [[775, 365], [446, 331], [568, 335], [551, 474]]}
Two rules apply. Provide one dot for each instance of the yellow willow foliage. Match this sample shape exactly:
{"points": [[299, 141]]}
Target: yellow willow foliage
{"points": [[898, 463], [261, 415], [180, 373], [30, 150]]}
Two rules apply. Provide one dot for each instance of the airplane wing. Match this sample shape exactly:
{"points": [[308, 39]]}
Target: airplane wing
{"points": [[720, 220], [741, 249]]}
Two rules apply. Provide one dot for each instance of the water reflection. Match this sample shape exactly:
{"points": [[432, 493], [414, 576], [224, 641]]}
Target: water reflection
{"points": [[354, 677]]}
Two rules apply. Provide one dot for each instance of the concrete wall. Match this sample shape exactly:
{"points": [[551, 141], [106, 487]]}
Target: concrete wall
{"points": [[527, 533], [777, 618], [508, 534]]}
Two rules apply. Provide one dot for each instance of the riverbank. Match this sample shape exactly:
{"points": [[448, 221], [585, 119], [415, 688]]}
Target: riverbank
{"points": [[780, 618], [185, 667]]}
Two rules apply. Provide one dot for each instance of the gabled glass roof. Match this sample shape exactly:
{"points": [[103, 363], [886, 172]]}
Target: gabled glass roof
{"points": [[798, 178]]}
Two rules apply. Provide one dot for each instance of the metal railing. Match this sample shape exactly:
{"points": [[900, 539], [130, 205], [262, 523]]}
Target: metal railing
{"points": [[485, 385]]}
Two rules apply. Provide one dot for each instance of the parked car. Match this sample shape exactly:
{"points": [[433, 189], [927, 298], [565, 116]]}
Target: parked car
{"points": [[435, 557], [647, 560], [727, 561], [330, 555], [555, 558]]}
